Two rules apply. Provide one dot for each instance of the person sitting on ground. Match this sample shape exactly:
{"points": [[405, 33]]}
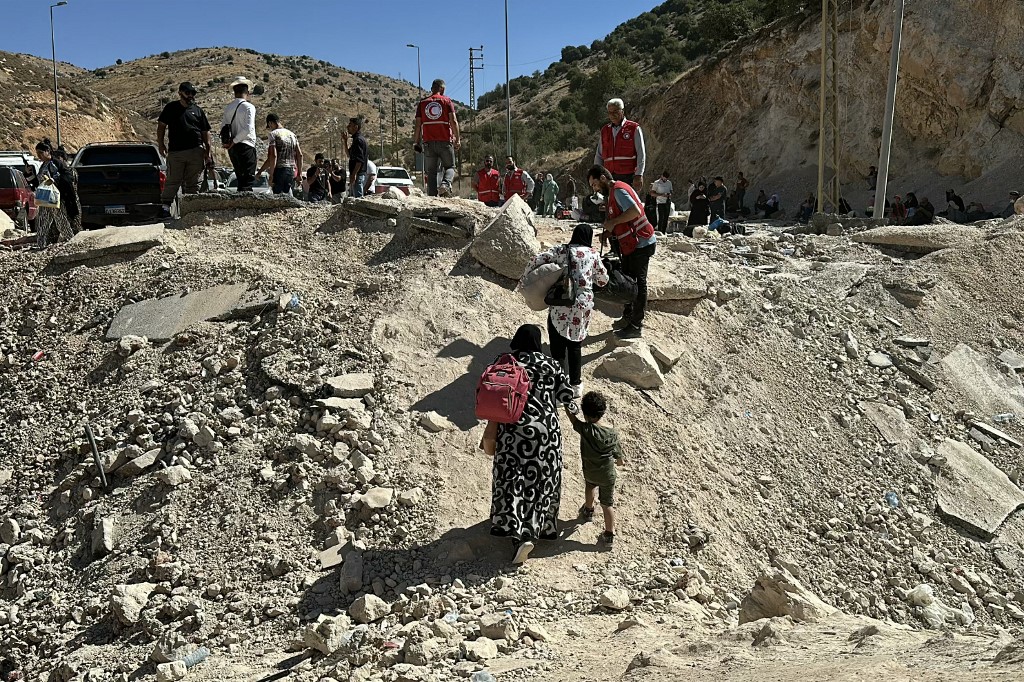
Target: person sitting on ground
{"points": [[1009, 210], [955, 209], [601, 453], [899, 211], [760, 201], [526, 484], [845, 208], [806, 210], [976, 211], [912, 204], [924, 215], [771, 207]]}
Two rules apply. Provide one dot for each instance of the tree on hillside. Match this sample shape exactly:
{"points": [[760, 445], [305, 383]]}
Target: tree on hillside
{"points": [[723, 22], [612, 78]]}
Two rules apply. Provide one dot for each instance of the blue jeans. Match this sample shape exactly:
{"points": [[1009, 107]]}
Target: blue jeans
{"points": [[284, 180], [355, 189]]}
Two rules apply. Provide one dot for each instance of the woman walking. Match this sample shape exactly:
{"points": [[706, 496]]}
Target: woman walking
{"points": [[549, 195], [62, 223], [527, 475], [568, 325]]}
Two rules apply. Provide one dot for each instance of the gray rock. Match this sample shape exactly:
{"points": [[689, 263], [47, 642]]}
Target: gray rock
{"points": [[879, 360], [328, 634], [508, 243], [174, 476], [779, 594], [103, 537], [136, 466], [351, 575], [89, 245], [411, 497], [498, 626], [171, 671], [972, 491], [127, 601], [921, 238], [480, 649], [368, 608], [615, 598], [351, 385], [233, 201], [10, 532], [633, 364], [435, 423], [168, 647], [979, 379], [378, 498]]}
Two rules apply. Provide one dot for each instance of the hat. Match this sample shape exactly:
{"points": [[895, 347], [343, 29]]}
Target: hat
{"points": [[187, 87], [242, 80]]}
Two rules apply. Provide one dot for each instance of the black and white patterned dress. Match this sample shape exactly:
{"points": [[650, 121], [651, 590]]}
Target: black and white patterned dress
{"points": [[527, 478]]}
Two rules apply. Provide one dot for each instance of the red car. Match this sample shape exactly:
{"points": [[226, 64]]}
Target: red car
{"points": [[16, 197]]}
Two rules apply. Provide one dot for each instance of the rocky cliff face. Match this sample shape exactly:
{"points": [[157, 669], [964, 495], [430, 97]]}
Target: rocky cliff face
{"points": [[754, 107]]}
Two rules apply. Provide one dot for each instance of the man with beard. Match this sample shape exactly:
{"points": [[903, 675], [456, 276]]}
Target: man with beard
{"points": [[487, 183], [189, 148]]}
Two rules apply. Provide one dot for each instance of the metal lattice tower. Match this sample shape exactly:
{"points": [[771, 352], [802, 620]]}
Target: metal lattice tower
{"points": [[394, 128], [828, 122], [473, 68]]}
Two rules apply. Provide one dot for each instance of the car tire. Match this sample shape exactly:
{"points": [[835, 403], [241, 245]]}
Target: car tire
{"points": [[23, 221]]}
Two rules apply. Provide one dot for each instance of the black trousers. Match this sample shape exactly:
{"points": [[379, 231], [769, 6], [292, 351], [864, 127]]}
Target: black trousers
{"points": [[663, 211], [717, 210], [243, 160], [636, 265], [624, 177], [569, 354]]}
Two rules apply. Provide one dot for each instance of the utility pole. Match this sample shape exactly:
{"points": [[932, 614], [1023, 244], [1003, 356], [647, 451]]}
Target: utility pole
{"points": [[828, 111], [472, 95], [394, 128], [53, 55], [890, 111], [380, 104], [508, 93]]}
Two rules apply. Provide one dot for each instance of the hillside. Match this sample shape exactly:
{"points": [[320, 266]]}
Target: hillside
{"points": [[87, 115], [307, 93]]}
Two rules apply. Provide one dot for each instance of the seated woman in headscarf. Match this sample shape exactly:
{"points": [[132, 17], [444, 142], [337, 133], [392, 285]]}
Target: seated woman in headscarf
{"points": [[526, 487], [568, 325]]}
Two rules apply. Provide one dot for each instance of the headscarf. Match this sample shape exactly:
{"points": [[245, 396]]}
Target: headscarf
{"points": [[527, 339], [582, 235], [549, 178]]}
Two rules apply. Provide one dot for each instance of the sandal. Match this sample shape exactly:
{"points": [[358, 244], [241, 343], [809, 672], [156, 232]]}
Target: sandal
{"points": [[586, 513]]}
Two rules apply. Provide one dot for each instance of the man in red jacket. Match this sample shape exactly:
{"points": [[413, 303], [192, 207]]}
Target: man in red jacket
{"points": [[620, 148], [487, 183], [437, 128]]}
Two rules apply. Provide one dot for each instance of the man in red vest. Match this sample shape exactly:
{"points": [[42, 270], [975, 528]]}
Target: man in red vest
{"points": [[487, 183], [627, 225], [516, 181], [438, 129], [621, 147]]}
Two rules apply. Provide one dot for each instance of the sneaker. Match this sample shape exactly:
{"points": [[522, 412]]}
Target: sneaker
{"points": [[629, 332], [606, 538], [586, 512], [522, 553], [445, 190], [577, 391]]}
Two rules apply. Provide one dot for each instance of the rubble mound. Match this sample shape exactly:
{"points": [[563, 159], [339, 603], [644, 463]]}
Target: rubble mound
{"points": [[252, 448]]}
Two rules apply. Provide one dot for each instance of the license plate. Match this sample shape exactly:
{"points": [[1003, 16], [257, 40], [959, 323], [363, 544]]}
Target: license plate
{"points": [[114, 210]]}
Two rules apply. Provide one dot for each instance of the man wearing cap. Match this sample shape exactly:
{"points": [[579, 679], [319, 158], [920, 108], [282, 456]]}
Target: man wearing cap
{"points": [[284, 156], [1009, 210], [240, 120], [189, 147]]}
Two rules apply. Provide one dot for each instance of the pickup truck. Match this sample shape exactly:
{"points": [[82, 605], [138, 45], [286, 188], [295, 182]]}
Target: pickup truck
{"points": [[119, 183]]}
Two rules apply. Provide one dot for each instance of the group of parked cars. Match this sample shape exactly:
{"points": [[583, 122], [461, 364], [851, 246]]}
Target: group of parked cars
{"points": [[119, 183]]}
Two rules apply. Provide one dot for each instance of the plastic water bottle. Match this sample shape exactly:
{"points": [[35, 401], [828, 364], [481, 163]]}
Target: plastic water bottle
{"points": [[893, 499], [1004, 418], [196, 657], [482, 676]]}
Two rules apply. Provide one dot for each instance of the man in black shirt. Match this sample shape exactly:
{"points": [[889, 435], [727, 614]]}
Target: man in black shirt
{"points": [[189, 149], [358, 155], [338, 177], [318, 186]]}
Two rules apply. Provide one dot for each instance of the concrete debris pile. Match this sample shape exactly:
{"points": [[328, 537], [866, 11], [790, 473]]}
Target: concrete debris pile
{"points": [[280, 463]]}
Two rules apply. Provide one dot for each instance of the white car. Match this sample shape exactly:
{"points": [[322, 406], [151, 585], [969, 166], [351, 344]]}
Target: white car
{"points": [[393, 176], [261, 186]]}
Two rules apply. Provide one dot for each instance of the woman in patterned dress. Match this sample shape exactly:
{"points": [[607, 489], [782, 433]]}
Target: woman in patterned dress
{"points": [[62, 223], [527, 475], [568, 325]]}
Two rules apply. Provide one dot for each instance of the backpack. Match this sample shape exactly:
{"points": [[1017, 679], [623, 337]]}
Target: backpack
{"points": [[502, 391]]}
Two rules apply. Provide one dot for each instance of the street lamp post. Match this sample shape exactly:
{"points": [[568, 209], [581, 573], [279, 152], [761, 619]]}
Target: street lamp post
{"points": [[419, 75], [53, 53], [508, 93]]}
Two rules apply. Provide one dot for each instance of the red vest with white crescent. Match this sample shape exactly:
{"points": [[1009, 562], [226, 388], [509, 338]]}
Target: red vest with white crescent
{"points": [[435, 113], [487, 184], [628, 234], [514, 183], [618, 152]]}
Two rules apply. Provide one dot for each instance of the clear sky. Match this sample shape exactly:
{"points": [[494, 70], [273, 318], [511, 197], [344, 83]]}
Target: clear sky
{"points": [[362, 36]]}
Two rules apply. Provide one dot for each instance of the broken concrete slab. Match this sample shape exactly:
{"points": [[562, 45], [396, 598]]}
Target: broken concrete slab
{"points": [[89, 245], [354, 385], [779, 594], [890, 422], [918, 377], [160, 319], [920, 238], [1013, 360], [977, 377], [235, 201], [994, 432], [509, 242], [449, 230], [973, 492], [342, 404]]}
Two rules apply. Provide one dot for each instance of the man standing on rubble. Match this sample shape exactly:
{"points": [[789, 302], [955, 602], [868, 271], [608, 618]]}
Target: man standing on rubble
{"points": [[238, 134], [516, 181], [621, 146], [284, 156], [189, 149], [487, 183], [358, 154], [437, 136]]}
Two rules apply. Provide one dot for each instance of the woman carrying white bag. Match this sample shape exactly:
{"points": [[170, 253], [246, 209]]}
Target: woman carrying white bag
{"points": [[58, 217], [567, 324]]}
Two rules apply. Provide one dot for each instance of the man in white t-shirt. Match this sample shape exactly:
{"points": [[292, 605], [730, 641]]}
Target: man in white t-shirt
{"points": [[370, 186], [662, 189]]}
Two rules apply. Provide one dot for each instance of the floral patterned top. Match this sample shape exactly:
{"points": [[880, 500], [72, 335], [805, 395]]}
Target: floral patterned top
{"points": [[572, 322]]}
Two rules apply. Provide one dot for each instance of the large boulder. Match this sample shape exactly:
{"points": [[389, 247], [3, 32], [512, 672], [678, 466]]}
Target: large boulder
{"points": [[778, 594], [127, 601], [509, 241], [634, 364]]}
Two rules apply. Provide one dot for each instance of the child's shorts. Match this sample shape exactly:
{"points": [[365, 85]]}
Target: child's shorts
{"points": [[605, 493]]}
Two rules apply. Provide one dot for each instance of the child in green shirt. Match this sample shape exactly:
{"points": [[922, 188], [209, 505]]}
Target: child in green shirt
{"points": [[600, 451]]}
